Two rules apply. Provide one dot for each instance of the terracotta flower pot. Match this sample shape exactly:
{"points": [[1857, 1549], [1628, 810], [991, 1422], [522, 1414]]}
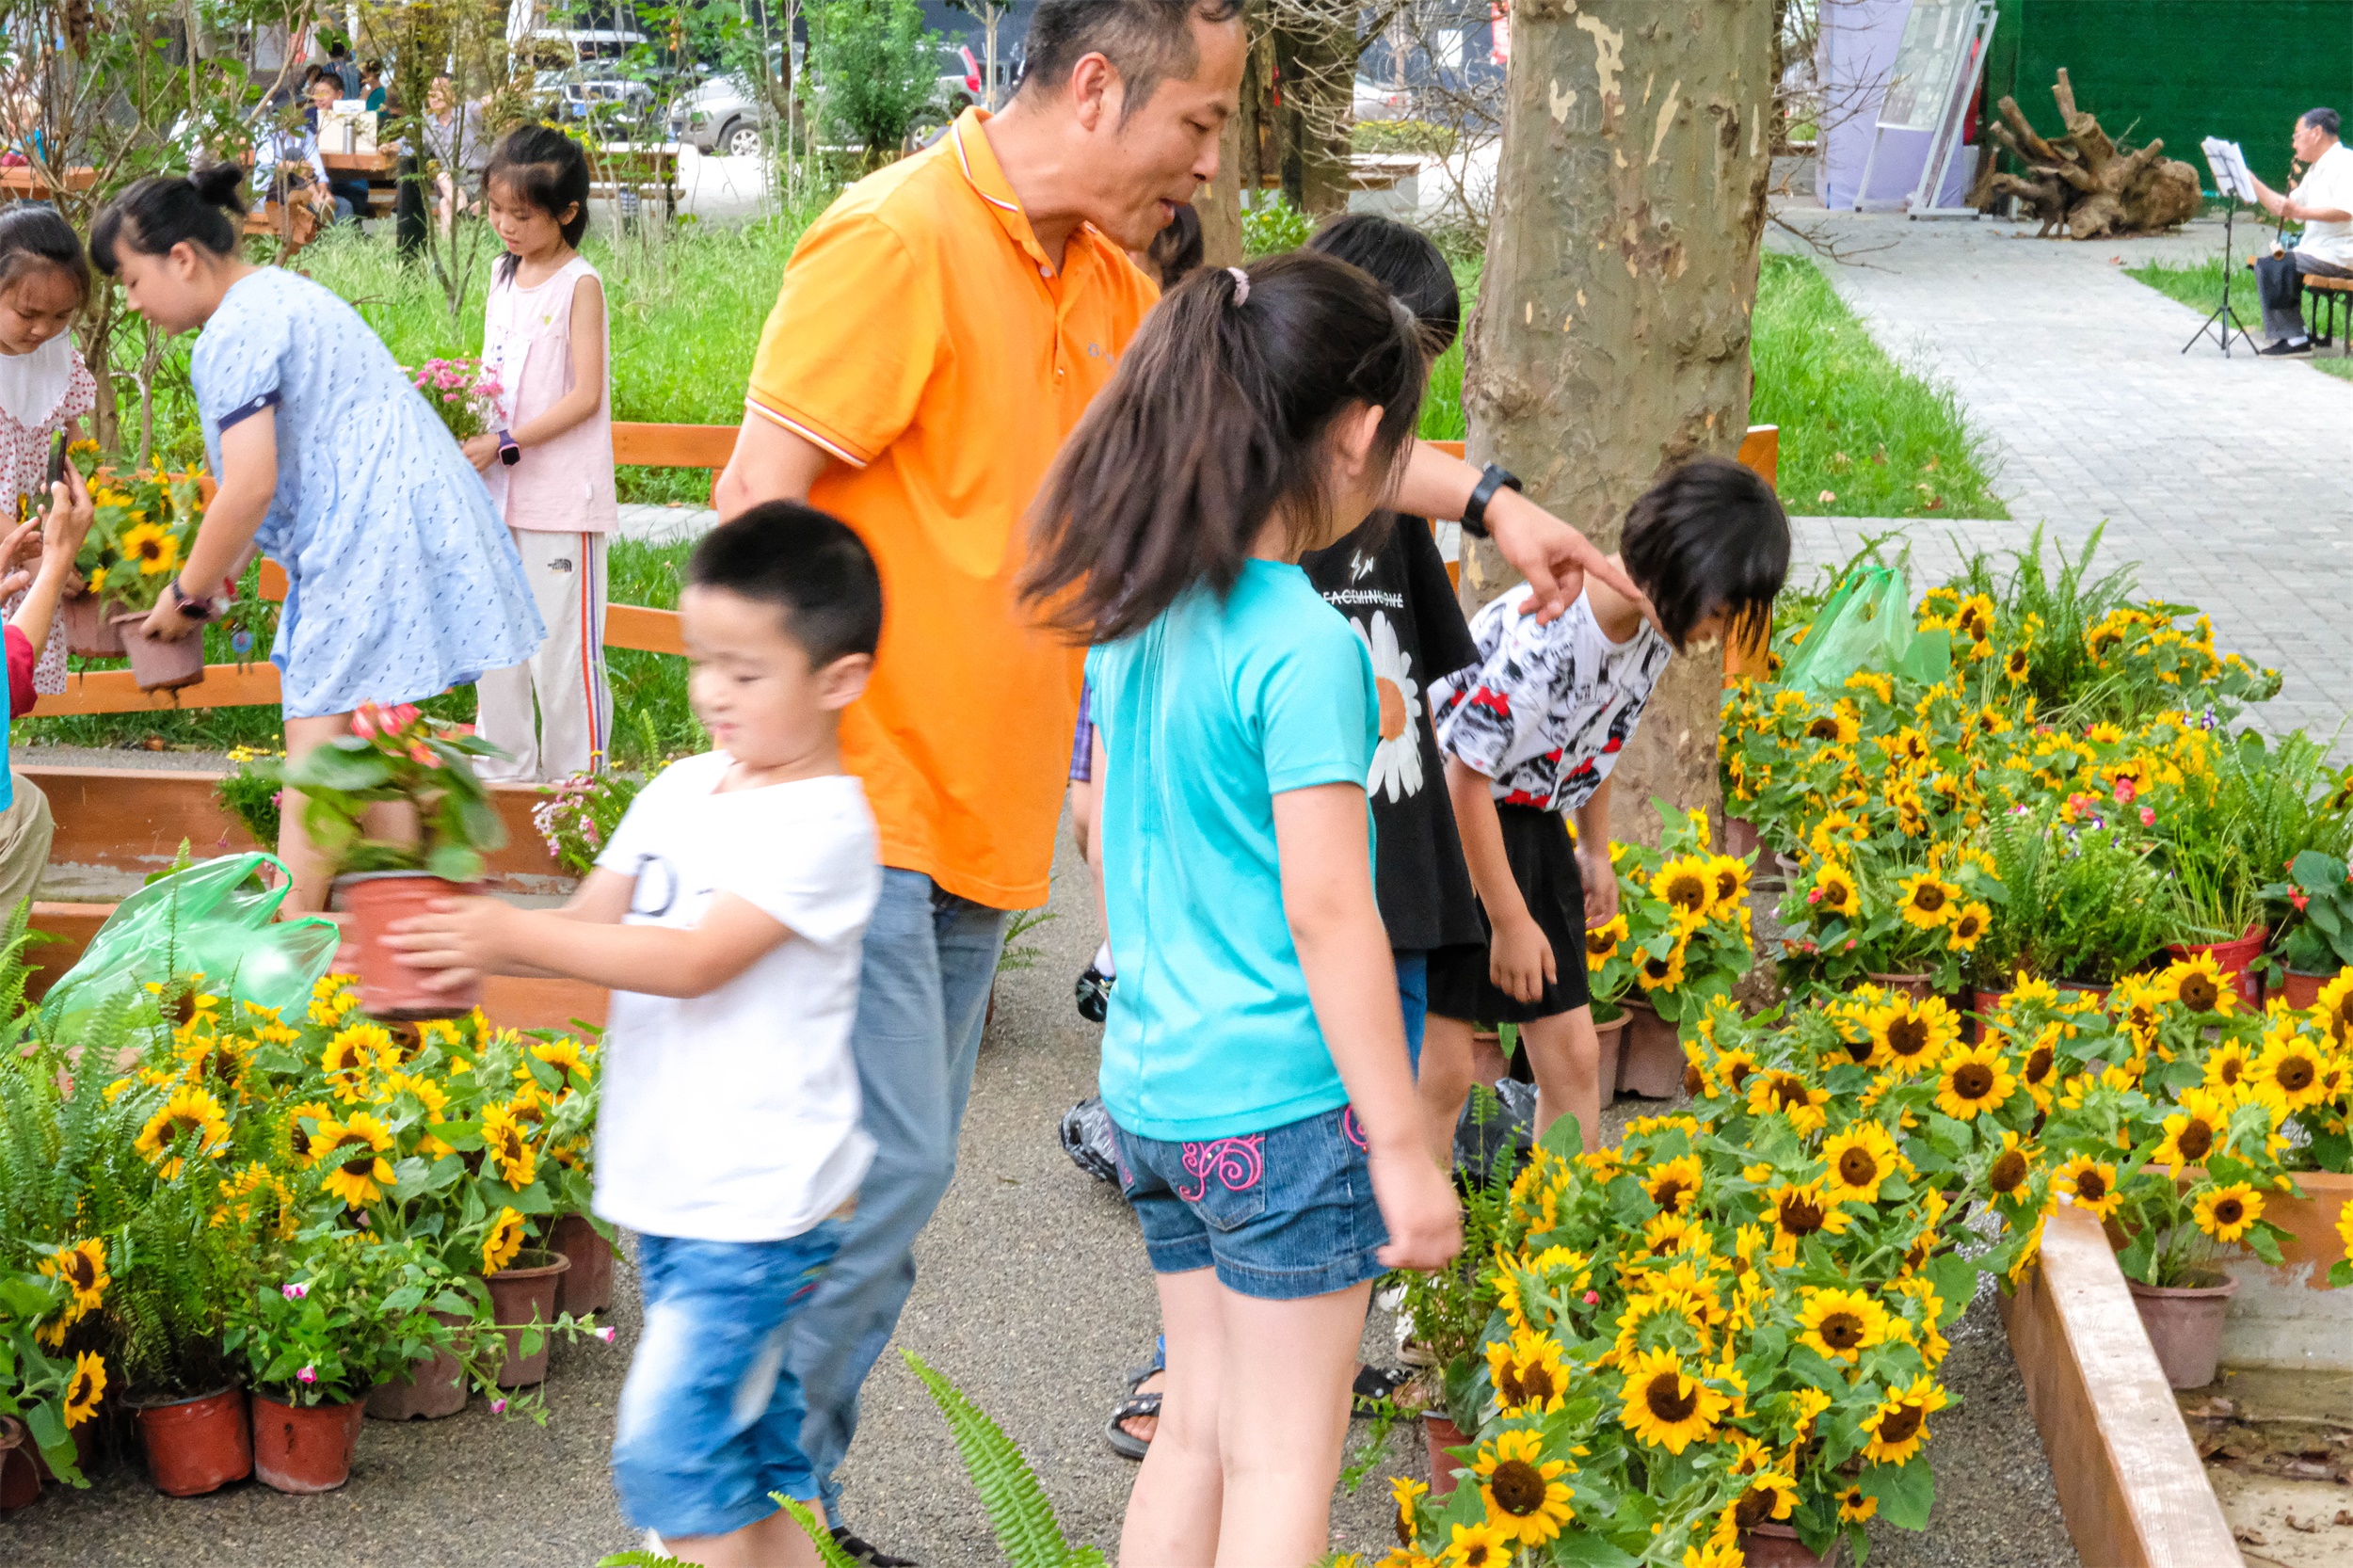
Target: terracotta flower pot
{"points": [[1612, 1035], [587, 1286], [89, 628], [1649, 1055], [2185, 1324], [304, 1447], [1776, 1546], [19, 1477], [158, 666], [1982, 1003], [1439, 1434], [197, 1445], [524, 1292], [430, 1389], [2232, 958], [2303, 990], [1741, 838], [1912, 985], [388, 988]]}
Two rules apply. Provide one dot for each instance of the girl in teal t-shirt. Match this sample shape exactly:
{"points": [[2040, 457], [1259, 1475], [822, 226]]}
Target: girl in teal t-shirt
{"points": [[1254, 1060]]}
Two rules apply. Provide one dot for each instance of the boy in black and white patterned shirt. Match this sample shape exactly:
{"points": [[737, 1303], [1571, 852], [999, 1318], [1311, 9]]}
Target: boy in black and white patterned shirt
{"points": [[1533, 730]]}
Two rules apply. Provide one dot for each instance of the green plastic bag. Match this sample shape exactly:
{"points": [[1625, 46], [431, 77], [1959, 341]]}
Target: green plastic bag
{"points": [[213, 918], [1865, 626]]}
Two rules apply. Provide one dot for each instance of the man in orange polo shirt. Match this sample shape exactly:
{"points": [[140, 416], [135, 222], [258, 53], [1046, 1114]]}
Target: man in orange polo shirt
{"points": [[938, 332]]}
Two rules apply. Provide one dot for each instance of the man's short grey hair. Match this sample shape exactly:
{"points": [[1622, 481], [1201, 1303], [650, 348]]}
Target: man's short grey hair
{"points": [[1147, 41], [2323, 121]]}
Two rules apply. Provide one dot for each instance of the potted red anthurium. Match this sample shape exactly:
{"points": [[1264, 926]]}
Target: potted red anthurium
{"points": [[397, 757]]}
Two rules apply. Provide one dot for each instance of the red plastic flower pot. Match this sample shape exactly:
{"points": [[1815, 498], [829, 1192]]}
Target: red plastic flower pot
{"points": [[89, 628], [158, 666], [2303, 990], [197, 1445], [429, 1390], [19, 1477], [1983, 1002], [1776, 1546], [2232, 958], [587, 1286], [1612, 1037], [524, 1292], [304, 1447], [390, 988]]}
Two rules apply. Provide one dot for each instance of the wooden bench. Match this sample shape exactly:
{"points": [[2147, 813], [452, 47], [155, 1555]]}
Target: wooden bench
{"points": [[616, 167], [381, 170], [2331, 296]]}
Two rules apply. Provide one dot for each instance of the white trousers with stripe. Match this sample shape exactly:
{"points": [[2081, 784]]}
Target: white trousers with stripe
{"points": [[554, 715]]}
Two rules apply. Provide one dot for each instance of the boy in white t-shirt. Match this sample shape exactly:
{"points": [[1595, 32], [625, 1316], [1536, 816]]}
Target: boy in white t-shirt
{"points": [[1533, 730], [726, 914]]}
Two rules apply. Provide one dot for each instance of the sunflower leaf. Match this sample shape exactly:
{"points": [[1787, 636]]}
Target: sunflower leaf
{"points": [[1905, 1492]]}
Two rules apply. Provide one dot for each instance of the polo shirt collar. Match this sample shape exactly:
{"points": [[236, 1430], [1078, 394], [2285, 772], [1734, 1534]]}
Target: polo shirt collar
{"points": [[978, 160]]}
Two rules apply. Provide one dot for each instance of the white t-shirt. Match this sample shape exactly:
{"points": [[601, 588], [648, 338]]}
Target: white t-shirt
{"points": [[2328, 184], [733, 1116]]}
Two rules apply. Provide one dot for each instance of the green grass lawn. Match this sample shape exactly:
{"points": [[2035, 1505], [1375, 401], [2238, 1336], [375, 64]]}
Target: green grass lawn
{"points": [[2200, 287]]}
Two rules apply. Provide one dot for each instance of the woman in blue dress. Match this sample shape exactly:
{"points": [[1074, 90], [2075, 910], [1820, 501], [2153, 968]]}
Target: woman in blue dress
{"points": [[401, 582]]}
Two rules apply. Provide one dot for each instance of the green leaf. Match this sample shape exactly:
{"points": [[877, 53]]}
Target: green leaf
{"points": [[455, 863], [1563, 1138], [1956, 1279], [1019, 1511], [1906, 1491], [1579, 1548], [2263, 1241], [349, 765]]}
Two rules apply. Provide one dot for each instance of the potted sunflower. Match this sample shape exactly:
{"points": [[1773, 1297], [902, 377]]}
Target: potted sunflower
{"points": [[144, 527], [46, 1400], [399, 756], [1683, 925]]}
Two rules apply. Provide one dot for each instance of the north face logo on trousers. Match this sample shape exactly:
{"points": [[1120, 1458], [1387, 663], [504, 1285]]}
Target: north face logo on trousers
{"points": [[560, 564]]}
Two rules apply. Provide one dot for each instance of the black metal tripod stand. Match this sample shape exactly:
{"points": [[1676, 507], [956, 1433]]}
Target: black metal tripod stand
{"points": [[2221, 324]]}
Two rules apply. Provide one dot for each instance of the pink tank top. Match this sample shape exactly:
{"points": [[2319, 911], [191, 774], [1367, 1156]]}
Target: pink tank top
{"points": [[565, 484]]}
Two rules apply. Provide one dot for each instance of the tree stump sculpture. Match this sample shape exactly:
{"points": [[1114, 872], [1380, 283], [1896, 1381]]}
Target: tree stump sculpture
{"points": [[2086, 183]]}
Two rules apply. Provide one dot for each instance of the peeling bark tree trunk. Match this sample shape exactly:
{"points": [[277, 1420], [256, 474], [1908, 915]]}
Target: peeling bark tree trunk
{"points": [[1312, 76], [1611, 338], [2085, 183]]}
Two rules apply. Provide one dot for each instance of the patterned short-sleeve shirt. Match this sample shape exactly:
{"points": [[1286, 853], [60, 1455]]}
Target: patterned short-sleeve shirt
{"points": [[1548, 708]]}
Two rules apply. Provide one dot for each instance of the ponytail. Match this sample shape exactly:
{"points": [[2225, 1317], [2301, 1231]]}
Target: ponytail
{"points": [[163, 210], [1216, 421]]}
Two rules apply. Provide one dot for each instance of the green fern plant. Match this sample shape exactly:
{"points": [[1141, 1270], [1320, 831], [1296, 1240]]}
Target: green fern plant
{"points": [[1015, 1503]]}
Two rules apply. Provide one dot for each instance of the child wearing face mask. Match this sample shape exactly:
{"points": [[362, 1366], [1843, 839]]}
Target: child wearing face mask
{"points": [[45, 389]]}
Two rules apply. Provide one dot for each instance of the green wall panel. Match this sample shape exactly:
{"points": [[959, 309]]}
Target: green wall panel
{"points": [[2182, 69]]}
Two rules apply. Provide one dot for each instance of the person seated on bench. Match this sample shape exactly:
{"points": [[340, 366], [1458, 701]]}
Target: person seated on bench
{"points": [[2323, 204], [25, 825], [287, 168], [351, 195]]}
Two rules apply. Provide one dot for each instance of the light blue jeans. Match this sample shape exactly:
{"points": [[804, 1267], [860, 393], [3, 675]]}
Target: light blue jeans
{"points": [[922, 998]]}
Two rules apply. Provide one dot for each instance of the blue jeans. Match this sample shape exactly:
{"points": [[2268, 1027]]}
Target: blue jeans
{"points": [[929, 959], [710, 1419]]}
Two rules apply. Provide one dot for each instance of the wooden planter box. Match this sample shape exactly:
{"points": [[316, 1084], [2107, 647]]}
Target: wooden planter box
{"points": [[2287, 1317]]}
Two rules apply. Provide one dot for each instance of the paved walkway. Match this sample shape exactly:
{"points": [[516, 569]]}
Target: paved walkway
{"points": [[2230, 480]]}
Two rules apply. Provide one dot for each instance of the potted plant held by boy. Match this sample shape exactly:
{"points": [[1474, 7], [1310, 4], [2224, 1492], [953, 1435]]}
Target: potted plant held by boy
{"points": [[397, 758]]}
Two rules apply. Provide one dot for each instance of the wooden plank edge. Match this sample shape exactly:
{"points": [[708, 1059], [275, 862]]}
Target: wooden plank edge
{"points": [[2129, 1482]]}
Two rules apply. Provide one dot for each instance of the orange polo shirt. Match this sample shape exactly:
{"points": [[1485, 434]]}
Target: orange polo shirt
{"points": [[924, 340]]}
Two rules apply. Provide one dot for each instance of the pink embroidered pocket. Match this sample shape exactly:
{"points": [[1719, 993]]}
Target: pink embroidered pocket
{"points": [[1238, 1164]]}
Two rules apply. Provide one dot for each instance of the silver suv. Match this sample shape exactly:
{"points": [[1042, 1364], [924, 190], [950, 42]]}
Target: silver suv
{"points": [[719, 117]]}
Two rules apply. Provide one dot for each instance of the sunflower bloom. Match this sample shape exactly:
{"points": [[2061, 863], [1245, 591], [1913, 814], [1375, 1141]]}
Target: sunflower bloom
{"points": [[1772, 1497], [2334, 1007], [1975, 1081], [1927, 901], [1665, 1407], [156, 548], [1406, 1492], [2289, 1076], [2226, 1213], [2012, 1165], [1684, 885], [1834, 892], [1788, 1094], [1523, 1499], [2192, 1132], [355, 1149], [83, 1266], [506, 1239], [2091, 1183], [1968, 926], [1480, 1546], [1602, 941], [1799, 1212], [1673, 1185], [2199, 985], [1659, 974], [1528, 1374], [1900, 1424], [1854, 1508], [1841, 1325], [1913, 1033], [189, 1111], [1858, 1158], [511, 1157], [88, 1385]]}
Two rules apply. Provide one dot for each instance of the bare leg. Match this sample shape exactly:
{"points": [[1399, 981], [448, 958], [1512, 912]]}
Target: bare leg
{"points": [[1282, 1423], [775, 1541], [1445, 1081], [1566, 1054], [1172, 1512], [311, 873]]}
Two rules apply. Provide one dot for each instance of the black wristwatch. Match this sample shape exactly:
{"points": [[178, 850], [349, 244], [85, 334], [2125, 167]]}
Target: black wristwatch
{"points": [[509, 453], [187, 608], [1493, 478]]}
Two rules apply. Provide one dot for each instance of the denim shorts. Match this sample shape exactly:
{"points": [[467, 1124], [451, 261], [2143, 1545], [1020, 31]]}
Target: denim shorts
{"points": [[1282, 1215], [710, 1417]]}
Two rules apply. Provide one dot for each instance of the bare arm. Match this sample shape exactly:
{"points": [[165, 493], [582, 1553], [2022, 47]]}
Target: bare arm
{"points": [[1553, 556], [769, 463], [1520, 960], [61, 536], [1599, 873], [587, 393], [1351, 979], [248, 478]]}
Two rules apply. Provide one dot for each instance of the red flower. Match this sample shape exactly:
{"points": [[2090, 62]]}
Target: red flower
{"points": [[2300, 901]]}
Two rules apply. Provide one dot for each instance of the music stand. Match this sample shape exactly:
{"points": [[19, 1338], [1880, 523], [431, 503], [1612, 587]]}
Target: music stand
{"points": [[2230, 177]]}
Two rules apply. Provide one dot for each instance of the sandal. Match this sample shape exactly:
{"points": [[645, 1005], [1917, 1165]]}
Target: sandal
{"points": [[1127, 1445], [1375, 1387]]}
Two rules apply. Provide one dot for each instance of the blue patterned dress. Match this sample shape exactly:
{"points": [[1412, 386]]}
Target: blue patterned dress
{"points": [[401, 580]]}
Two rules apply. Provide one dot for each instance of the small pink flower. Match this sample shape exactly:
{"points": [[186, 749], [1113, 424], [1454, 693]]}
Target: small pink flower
{"points": [[294, 1292], [2148, 815], [279, 799], [1814, 897], [360, 1219], [1592, 1298], [607, 1334], [498, 1407], [308, 1374], [2125, 790], [364, 721], [421, 755]]}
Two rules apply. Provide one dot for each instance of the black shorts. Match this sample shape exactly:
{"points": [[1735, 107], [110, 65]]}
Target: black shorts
{"points": [[1543, 863]]}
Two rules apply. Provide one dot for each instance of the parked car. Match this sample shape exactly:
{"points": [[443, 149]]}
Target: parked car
{"points": [[720, 116], [621, 107], [961, 74]]}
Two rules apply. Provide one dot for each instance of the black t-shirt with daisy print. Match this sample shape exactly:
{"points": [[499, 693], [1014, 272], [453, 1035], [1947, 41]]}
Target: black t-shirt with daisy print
{"points": [[1396, 595]]}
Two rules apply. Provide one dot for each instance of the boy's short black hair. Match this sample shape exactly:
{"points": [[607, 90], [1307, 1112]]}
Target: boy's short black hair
{"points": [[806, 563], [1710, 536], [1401, 260]]}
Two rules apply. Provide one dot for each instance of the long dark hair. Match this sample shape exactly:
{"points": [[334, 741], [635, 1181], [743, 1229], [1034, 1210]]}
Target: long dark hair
{"points": [[161, 210], [545, 168], [1216, 419], [34, 235]]}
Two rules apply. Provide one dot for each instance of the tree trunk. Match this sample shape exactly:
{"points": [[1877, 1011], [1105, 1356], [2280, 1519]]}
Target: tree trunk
{"points": [[98, 355], [1611, 337], [1219, 202]]}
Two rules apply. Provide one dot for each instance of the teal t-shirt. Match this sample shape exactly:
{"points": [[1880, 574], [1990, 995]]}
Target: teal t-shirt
{"points": [[1205, 715]]}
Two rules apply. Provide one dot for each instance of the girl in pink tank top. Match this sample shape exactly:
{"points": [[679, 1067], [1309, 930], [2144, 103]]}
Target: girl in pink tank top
{"points": [[550, 464]]}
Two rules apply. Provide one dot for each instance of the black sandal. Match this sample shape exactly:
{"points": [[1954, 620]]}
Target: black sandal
{"points": [[1375, 1387], [1127, 1445]]}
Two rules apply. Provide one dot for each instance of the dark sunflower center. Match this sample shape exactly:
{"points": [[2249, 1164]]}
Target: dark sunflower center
{"points": [[2232, 1068], [1686, 892], [151, 550], [1666, 1398], [1656, 968], [1835, 896], [1927, 898], [359, 1165], [1405, 1526], [1694, 1083], [1516, 1487], [1598, 943], [1668, 1193], [184, 1009], [2009, 1169], [1800, 1217], [1479, 1555], [2295, 1075], [1902, 1423], [2196, 1139], [82, 1390], [1842, 1331], [1788, 1092], [2197, 993], [180, 1125], [1967, 927], [79, 1271], [1823, 729], [1908, 1036], [2039, 1064], [1972, 1080], [1736, 1073], [1536, 1385], [1858, 1167], [1727, 885], [2229, 1212], [299, 1142], [1755, 1507], [2092, 1187]]}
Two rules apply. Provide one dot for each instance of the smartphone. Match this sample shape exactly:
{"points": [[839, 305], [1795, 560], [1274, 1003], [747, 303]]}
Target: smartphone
{"points": [[57, 464]]}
